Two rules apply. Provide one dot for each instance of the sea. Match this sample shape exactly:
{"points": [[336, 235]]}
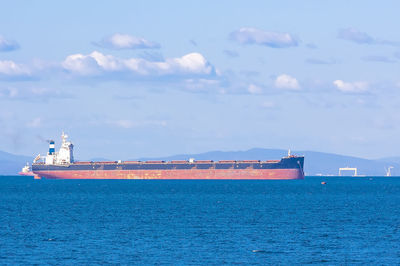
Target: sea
{"points": [[344, 221]]}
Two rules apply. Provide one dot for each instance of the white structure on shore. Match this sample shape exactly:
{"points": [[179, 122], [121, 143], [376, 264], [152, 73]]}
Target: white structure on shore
{"points": [[348, 169], [388, 171]]}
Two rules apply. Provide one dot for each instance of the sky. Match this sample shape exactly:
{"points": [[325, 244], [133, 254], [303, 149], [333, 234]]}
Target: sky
{"points": [[131, 79]]}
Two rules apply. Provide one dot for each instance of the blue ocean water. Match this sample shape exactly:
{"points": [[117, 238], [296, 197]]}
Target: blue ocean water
{"points": [[347, 221]]}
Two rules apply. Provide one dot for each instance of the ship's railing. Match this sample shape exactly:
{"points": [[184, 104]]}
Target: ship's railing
{"points": [[176, 162], [97, 162]]}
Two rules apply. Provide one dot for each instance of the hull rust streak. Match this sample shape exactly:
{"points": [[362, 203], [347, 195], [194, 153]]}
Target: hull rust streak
{"points": [[174, 174]]}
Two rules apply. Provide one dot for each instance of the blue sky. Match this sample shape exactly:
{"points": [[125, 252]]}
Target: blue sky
{"points": [[127, 79]]}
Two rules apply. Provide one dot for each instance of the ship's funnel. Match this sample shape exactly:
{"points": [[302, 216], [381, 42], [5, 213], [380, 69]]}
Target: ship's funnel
{"points": [[52, 148]]}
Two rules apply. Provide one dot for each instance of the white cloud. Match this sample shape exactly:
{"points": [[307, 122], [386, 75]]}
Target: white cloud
{"points": [[354, 35], [266, 38], [96, 63], [81, 64], [10, 68], [254, 89], [126, 41], [357, 36], [7, 45], [285, 81], [351, 87]]}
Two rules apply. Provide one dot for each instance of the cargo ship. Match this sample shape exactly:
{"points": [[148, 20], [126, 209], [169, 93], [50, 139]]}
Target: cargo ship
{"points": [[61, 165]]}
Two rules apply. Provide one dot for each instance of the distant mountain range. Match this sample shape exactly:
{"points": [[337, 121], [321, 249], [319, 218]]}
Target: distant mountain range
{"points": [[315, 162], [11, 164]]}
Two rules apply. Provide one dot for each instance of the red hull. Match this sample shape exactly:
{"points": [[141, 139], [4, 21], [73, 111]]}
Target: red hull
{"points": [[277, 174], [26, 173]]}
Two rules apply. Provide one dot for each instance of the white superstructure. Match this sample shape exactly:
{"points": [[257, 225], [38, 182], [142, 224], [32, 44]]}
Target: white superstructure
{"points": [[26, 169], [64, 155]]}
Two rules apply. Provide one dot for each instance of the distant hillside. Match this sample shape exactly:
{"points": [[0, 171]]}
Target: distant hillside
{"points": [[11, 164], [328, 163], [315, 162], [395, 159]]}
